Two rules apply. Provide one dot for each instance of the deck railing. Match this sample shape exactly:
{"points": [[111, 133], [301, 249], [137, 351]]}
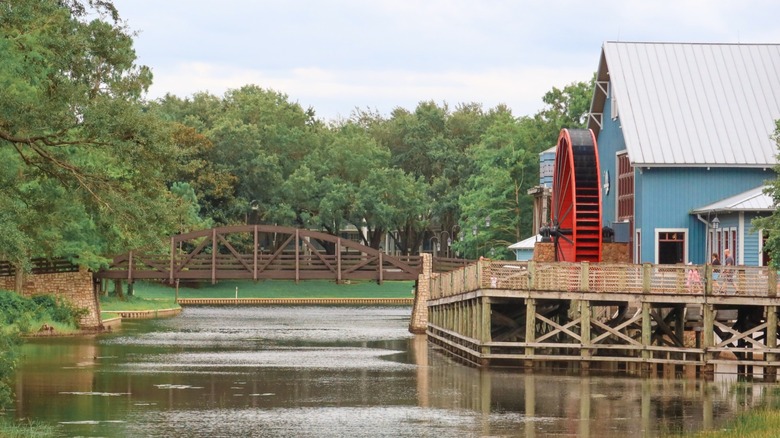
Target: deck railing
{"points": [[608, 278]]}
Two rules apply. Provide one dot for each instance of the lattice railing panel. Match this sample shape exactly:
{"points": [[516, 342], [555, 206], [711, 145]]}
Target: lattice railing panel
{"points": [[668, 279], [606, 278], [505, 275], [556, 276], [751, 281]]}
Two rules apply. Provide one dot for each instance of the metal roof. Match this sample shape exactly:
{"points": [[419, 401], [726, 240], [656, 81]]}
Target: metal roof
{"points": [[752, 200], [527, 243], [691, 104]]}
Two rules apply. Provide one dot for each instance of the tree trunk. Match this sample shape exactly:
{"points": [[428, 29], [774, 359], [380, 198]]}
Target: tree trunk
{"points": [[18, 279], [118, 290]]}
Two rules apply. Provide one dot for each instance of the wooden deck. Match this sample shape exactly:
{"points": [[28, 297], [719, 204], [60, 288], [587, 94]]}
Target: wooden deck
{"points": [[640, 317]]}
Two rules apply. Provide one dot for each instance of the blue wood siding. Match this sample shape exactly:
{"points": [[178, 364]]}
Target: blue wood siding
{"points": [[751, 242], [610, 142], [669, 194]]}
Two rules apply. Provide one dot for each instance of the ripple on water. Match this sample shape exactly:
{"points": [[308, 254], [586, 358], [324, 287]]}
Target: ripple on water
{"points": [[291, 358], [237, 327], [370, 421]]}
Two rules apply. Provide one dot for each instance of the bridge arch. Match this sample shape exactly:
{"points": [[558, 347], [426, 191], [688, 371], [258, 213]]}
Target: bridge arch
{"points": [[256, 252]]}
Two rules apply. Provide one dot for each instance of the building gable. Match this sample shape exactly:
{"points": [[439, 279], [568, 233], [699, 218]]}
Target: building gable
{"points": [[683, 104]]}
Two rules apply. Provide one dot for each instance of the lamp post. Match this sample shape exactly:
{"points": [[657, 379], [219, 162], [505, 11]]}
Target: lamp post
{"points": [[448, 241], [254, 206], [475, 233], [434, 249]]}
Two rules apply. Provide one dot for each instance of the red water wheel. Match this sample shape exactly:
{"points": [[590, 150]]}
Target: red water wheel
{"points": [[575, 226]]}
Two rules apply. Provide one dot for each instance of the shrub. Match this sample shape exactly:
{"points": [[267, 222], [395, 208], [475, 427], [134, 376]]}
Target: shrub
{"points": [[9, 343], [21, 311]]}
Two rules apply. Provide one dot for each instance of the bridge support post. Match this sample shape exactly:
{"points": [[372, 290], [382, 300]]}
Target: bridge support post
{"points": [[419, 321]]}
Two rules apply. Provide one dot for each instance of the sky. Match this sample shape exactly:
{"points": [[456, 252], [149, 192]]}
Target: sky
{"points": [[336, 56]]}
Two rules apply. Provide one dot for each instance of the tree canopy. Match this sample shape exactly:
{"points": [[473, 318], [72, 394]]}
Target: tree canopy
{"points": [[93, 169], [85, 162]]}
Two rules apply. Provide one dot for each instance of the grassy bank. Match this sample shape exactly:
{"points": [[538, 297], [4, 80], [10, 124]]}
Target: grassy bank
{"points": [[758, 423], [21, 316], [156, 296], [278, 289]]}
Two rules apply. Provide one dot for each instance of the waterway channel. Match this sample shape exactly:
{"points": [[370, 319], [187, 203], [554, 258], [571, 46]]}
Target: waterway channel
{"points": [[334, 371]]}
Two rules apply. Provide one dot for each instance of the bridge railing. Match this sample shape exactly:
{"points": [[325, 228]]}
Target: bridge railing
{"points": [[40, 266], [608, 278]]}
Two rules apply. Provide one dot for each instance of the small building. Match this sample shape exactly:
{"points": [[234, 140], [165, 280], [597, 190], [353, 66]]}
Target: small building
{"points": [[685, 145], [524, 249]]}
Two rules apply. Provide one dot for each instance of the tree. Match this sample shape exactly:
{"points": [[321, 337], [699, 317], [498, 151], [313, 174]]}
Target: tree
{"points": [[256, 140], [771, 224], [506, 165], [85, 159]]}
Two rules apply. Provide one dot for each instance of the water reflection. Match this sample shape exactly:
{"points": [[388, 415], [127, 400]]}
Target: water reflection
{"points": [[334, 371]]}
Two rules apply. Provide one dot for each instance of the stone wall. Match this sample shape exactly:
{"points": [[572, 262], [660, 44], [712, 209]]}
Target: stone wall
{"points": [[544, 252], [616, 253], [418, 323], [610, 252], [76, 287]]}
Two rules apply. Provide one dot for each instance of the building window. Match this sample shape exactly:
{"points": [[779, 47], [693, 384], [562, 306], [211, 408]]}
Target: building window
{"points": [[625, 189], [671, 246]]}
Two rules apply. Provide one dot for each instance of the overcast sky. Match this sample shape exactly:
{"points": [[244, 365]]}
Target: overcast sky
{"points": [[338, 55]]}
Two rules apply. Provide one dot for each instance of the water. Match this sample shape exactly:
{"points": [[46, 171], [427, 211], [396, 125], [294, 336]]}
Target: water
{"points": [[334, 372]]}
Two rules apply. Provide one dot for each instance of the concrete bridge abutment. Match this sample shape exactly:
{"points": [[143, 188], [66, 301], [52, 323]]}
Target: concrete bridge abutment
{"points": [[418, 324]]}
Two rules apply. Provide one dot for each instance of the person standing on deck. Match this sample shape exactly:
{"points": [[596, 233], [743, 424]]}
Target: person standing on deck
{"points": [[728, 272], [715, 261]]}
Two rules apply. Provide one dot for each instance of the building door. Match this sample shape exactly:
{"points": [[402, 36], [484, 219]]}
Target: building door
{"points": [[671, 247]]}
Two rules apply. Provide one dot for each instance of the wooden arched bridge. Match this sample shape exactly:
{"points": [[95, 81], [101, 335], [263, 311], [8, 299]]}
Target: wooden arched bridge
{"points": [[258, 252]]}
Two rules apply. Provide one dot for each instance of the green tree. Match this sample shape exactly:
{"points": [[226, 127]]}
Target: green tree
{"points": [[85, 160], [257, 139], [506, 165], [771, 224], [506, 169]]}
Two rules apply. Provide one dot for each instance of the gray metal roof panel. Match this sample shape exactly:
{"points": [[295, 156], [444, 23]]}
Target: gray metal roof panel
{"points": [[527, 243], [696, 104], [751, 200]]}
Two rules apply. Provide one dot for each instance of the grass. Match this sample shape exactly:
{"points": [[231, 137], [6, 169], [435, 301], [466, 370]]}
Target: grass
{"points": [[22, 429], [758, 423], [154, 296], [277, 289]]}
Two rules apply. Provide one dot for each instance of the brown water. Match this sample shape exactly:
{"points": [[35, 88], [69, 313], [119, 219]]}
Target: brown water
{"points": [[334, 372]]}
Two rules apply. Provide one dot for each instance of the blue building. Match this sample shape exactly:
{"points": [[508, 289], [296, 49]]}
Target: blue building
{"points": [[685, 146]]}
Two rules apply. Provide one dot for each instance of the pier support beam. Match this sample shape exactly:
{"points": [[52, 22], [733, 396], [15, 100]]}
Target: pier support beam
{"points": [[647, 338], [530, 331], [485, 329], [708, 340], [770, 372], [585, 353]]}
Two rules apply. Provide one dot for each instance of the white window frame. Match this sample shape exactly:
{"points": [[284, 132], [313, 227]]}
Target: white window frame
{"points": [[684, 232], [637, 245]]}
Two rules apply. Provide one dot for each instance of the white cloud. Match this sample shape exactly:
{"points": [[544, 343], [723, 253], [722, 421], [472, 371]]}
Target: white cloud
{"points": [[520, 88], [335, 55]]}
